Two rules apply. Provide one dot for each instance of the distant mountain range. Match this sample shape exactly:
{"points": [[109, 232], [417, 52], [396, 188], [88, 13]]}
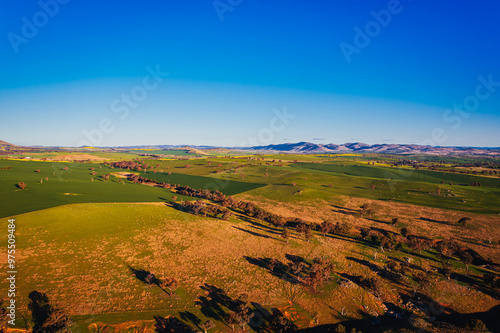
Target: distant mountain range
{"points": [[314, 148], [358, 147]]}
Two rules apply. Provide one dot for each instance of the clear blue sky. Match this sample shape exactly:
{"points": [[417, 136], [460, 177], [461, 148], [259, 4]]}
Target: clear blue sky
{"points": [[236, 64]]}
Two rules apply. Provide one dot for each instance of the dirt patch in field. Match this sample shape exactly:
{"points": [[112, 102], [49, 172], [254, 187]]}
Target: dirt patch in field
{"points": [[123, 174], [77, 157]]}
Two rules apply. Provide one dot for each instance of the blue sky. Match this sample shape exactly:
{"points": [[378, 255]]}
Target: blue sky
{"points": [[347, 70]]}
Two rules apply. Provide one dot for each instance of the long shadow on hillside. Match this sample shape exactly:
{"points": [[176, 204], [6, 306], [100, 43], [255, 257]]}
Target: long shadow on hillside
{"points": [[393, 277], [368, 243], [142, 275], [260, 228], [171, 324], [489, 318], [375, 220], [384, 231], [147, 277], [215, 303], [276, 268], [477, 284], [252, 221], [444, 315], [253, 233], [433, 221], [374, 268], [190, 318], [345, 211], [395, 318]]}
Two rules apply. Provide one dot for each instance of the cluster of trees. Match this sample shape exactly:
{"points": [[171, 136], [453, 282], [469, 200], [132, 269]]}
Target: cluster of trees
{"points": [[199, 207], [136, 179], [441, 166], [216, 196], [131, 165], [447, 249], [319, 273], [297, 270], [6, 168]]}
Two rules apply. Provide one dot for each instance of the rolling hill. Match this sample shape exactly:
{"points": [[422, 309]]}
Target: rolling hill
{"points": [[358, 147]]}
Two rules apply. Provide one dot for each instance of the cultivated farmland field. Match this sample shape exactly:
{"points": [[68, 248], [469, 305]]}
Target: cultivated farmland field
{"points": [[308, 241]]}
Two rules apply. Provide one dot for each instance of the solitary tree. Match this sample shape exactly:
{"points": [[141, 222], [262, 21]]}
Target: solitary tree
{"points": [[466, 259], [207, 325], [151, 279], [326, 227], [446, 266], [226, 215], [285, 234], [171, 284], [464, 221], [232, 319], [21, 185], [308, 232], [405, 232]]}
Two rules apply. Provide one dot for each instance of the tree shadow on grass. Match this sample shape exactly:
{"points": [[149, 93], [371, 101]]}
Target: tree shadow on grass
{"points": [[375, 220], [434, 221], [477, 284], [213, 305], [345, 211], [395, 318], [253, 233], [374, 268], [276, 268], [148, 278], [260, 228], [171, 324], [191, 318], [141, 274]]}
